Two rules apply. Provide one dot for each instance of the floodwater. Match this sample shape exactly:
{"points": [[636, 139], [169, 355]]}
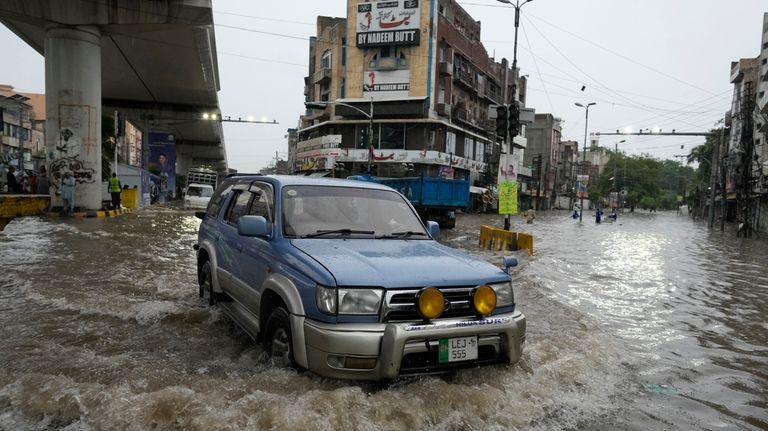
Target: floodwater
{"points": [[653, 322]]}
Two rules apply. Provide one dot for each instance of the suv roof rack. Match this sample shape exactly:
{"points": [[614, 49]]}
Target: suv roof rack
{"points": [[242, 174]]}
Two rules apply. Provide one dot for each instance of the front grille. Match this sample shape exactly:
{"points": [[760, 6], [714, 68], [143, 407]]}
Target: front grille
{"points": [[428, 362], [401, 306]]}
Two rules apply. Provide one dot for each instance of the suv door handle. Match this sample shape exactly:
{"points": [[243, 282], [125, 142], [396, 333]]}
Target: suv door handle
{"points": [[240, 247]]}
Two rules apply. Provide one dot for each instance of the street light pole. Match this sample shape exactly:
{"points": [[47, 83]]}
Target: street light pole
{"points": [[584, 156], [517, 5]]}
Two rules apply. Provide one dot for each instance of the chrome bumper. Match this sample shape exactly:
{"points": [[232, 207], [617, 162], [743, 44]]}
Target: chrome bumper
{"points": [[390, 343]]}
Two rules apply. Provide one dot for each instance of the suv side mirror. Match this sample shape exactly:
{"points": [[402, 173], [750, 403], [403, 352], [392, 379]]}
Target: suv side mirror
{"points": [[509, 262], [434, 229], [252, 225]]}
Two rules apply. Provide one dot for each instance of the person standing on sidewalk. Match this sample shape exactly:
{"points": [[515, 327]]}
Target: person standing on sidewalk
{"points": [[68, 193], [114, 190], [13, 184]]}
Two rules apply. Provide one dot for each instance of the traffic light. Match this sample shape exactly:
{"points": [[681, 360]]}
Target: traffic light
{"points": [[501, 121], [120, 124], [514, 120]]}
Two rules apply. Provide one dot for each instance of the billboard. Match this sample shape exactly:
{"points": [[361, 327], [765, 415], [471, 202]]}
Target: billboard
{"points": [[509, 165], [386, 85], [581, 186], [382, 23], [162, 164]]}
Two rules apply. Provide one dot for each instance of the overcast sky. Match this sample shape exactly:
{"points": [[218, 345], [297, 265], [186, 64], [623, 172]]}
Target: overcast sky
{"points": [[647, 63]]}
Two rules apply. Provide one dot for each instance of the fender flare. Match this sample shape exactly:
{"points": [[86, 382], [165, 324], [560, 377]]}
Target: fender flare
{"points": [[285, 288], [206, 246]]}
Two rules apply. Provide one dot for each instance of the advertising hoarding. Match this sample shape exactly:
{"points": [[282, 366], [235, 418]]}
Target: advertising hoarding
{"points": [[386, 84], [388, 23], [162, 163]]}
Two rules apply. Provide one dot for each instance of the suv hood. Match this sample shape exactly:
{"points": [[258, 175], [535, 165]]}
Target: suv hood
{"points": [[398, 263]]}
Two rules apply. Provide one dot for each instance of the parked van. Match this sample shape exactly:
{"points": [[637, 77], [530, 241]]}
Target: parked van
{"points": [[197, 195]]}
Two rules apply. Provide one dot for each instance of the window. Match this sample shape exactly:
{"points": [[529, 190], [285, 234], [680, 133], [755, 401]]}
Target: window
{"points": [[239, 206], [309, 210], [343, 88], [467, 147], [325, 60], [362, 136], [392, 137], [480, 151], [262, 201], [218, 198], [450, 142], [343, 51]]}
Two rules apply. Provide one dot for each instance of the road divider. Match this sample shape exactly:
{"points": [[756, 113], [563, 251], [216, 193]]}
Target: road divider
{"points": [[499, 239]]}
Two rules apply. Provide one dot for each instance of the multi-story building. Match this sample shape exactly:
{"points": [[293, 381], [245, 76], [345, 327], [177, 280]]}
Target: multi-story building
{"points": [[22, 128], [746, 153], [406, 88], [543, 156]]}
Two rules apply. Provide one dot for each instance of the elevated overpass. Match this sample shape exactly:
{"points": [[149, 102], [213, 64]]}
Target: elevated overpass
{"points": [[153, 60]]}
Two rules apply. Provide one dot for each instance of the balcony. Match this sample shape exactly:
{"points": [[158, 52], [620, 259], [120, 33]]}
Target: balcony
{"points": [[466, 77], [321, 76], [445, 68], [307, 90]]}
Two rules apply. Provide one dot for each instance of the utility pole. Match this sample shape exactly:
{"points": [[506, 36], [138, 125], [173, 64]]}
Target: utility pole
{"points": [[713, 182], [584, 146]]}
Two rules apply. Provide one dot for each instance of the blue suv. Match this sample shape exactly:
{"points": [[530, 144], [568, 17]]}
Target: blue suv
{"points": [[342, 278]]}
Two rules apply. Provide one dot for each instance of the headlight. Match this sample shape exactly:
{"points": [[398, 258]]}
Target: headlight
{"points": [[359, 301], [504, 294], [430, 303], [484, 300], [325, 297]]}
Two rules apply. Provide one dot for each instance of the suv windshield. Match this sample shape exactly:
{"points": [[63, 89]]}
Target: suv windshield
{"points": [[323, 212]]}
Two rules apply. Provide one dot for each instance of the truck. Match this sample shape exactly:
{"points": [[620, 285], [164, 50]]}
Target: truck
{"points": [[434, 198], [201, 182], [202, 175]]}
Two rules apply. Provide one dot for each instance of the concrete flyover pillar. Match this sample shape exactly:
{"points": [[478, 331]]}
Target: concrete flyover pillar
{"points": [[73, 109]]}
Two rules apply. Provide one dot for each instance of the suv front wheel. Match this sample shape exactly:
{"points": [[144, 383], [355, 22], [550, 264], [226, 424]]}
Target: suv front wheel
{"points": [[278, 342]]}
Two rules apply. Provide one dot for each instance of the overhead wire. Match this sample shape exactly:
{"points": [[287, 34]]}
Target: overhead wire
{"points": [[535, 63]]}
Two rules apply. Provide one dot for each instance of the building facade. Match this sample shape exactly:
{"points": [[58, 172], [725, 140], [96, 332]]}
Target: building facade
{"points": [[404, 88], [22, 128], [543, 155], [745, 155]]}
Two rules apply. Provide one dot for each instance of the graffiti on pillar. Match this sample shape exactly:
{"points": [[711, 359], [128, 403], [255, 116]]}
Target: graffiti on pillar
{"points": [[82, 174], [76, 137]]}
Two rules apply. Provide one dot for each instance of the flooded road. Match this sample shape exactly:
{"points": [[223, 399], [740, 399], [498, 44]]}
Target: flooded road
{"points": [[649, 323]]}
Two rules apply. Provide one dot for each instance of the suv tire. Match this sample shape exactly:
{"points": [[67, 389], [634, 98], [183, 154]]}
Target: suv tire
{"points": [[278, 341], [206, 282]]}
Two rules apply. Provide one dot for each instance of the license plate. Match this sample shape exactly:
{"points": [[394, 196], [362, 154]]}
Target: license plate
{"points": [[458, 349]]}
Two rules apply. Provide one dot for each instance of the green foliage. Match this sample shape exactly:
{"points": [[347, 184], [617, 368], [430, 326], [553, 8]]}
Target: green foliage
{"points": [[650, 183], [107, 145]]}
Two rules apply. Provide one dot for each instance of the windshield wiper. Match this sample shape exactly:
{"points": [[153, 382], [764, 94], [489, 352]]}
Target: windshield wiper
{"points": [[403, 234], [338, 231]]}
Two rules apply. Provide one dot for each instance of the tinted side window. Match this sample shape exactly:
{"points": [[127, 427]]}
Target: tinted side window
{"points": [[214, 206], [239, 206], [263, 197]]}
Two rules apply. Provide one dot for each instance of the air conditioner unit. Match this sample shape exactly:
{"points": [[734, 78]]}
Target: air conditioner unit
{"points": [[444, 109], [446, 68]]}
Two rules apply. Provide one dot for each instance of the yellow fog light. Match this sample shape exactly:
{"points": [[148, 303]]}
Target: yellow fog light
{"points": [[484, 300], [430, 303]]}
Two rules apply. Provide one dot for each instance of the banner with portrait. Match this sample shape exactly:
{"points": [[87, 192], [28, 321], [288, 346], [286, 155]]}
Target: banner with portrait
{"points": [[162, 164]]}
